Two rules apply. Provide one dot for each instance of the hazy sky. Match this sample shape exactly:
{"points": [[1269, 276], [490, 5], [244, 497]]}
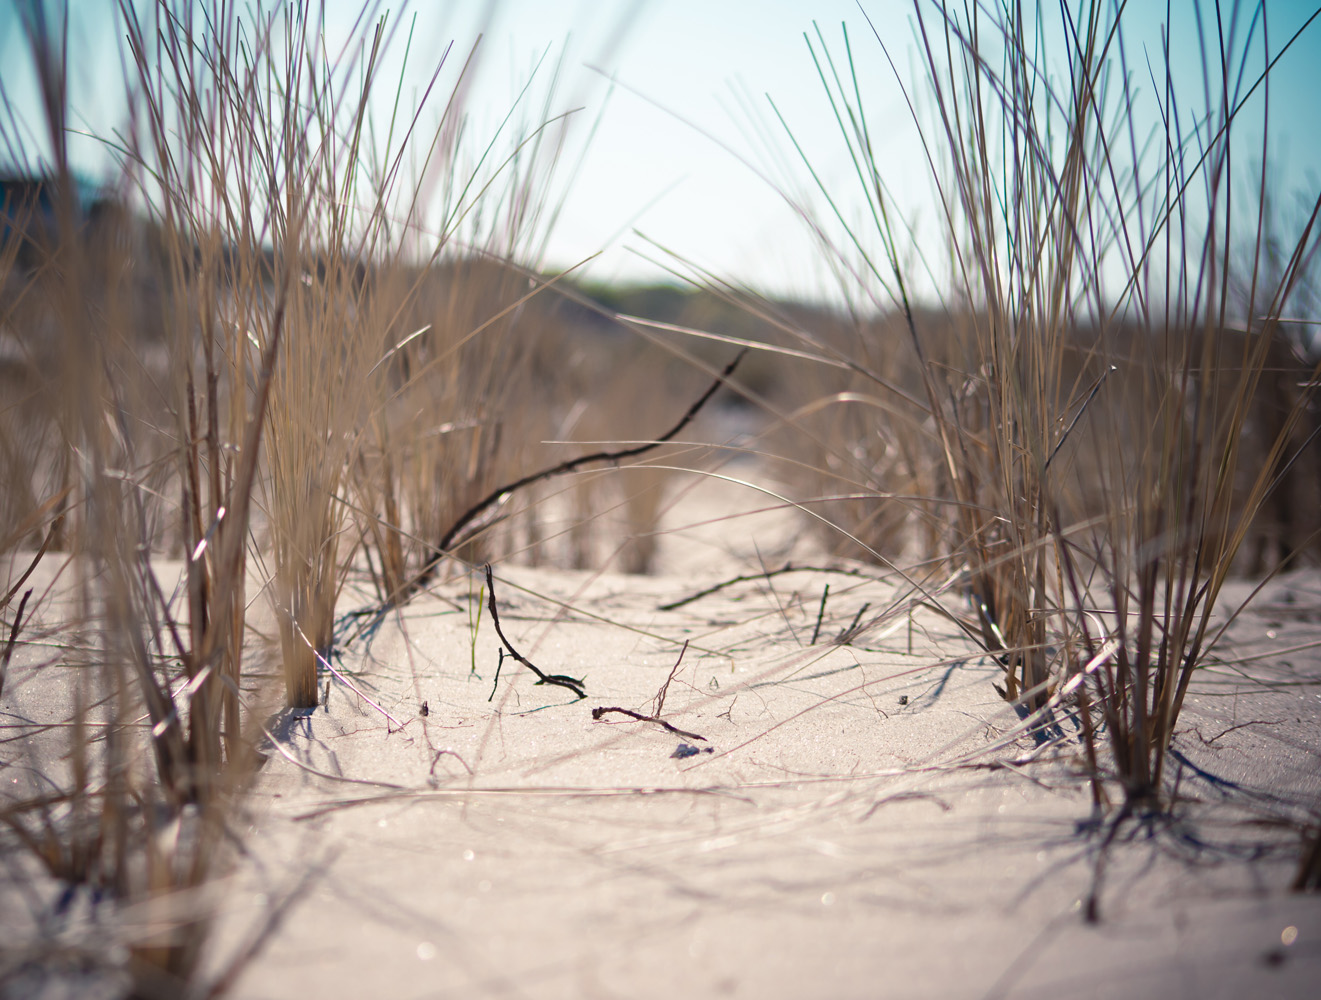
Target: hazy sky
{"points": [[680, 151], [689, 153]]}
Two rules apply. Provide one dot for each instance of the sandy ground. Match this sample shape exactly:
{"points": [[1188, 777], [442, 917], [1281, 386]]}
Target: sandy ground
{"points": [[858, 820]]}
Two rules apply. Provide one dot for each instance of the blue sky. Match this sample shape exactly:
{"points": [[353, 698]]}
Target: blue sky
{"points": [[677, 154]]}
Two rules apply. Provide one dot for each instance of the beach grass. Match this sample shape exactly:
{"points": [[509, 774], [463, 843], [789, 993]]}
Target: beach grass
{"points": [[261, 361], [276, 366], [1106, 398]]}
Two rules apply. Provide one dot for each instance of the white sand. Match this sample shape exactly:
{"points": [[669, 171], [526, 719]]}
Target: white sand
{"points": [[835, 844], [871, 822]]}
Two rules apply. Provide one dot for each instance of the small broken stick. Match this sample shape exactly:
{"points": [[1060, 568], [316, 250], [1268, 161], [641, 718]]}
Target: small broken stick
{"points": [[598, 712], [561, 680], [455, 534], [658, 705]]}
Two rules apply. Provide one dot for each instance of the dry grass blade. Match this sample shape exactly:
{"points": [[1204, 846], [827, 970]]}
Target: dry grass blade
{"points": [[210, 395]]}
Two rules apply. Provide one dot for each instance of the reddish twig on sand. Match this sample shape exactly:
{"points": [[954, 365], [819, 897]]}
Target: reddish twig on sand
{"points": [[658, 705], [598, 712]]}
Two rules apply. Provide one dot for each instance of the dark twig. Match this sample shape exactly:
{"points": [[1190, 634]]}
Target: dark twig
{"points": [[560, 680], [453, 537], [1096, 387], [851, 633], [786, 568], [659, 704], [598, 712], [50, 534], [821, 613], [498, 664], [1241, 725], [18, 621]]}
